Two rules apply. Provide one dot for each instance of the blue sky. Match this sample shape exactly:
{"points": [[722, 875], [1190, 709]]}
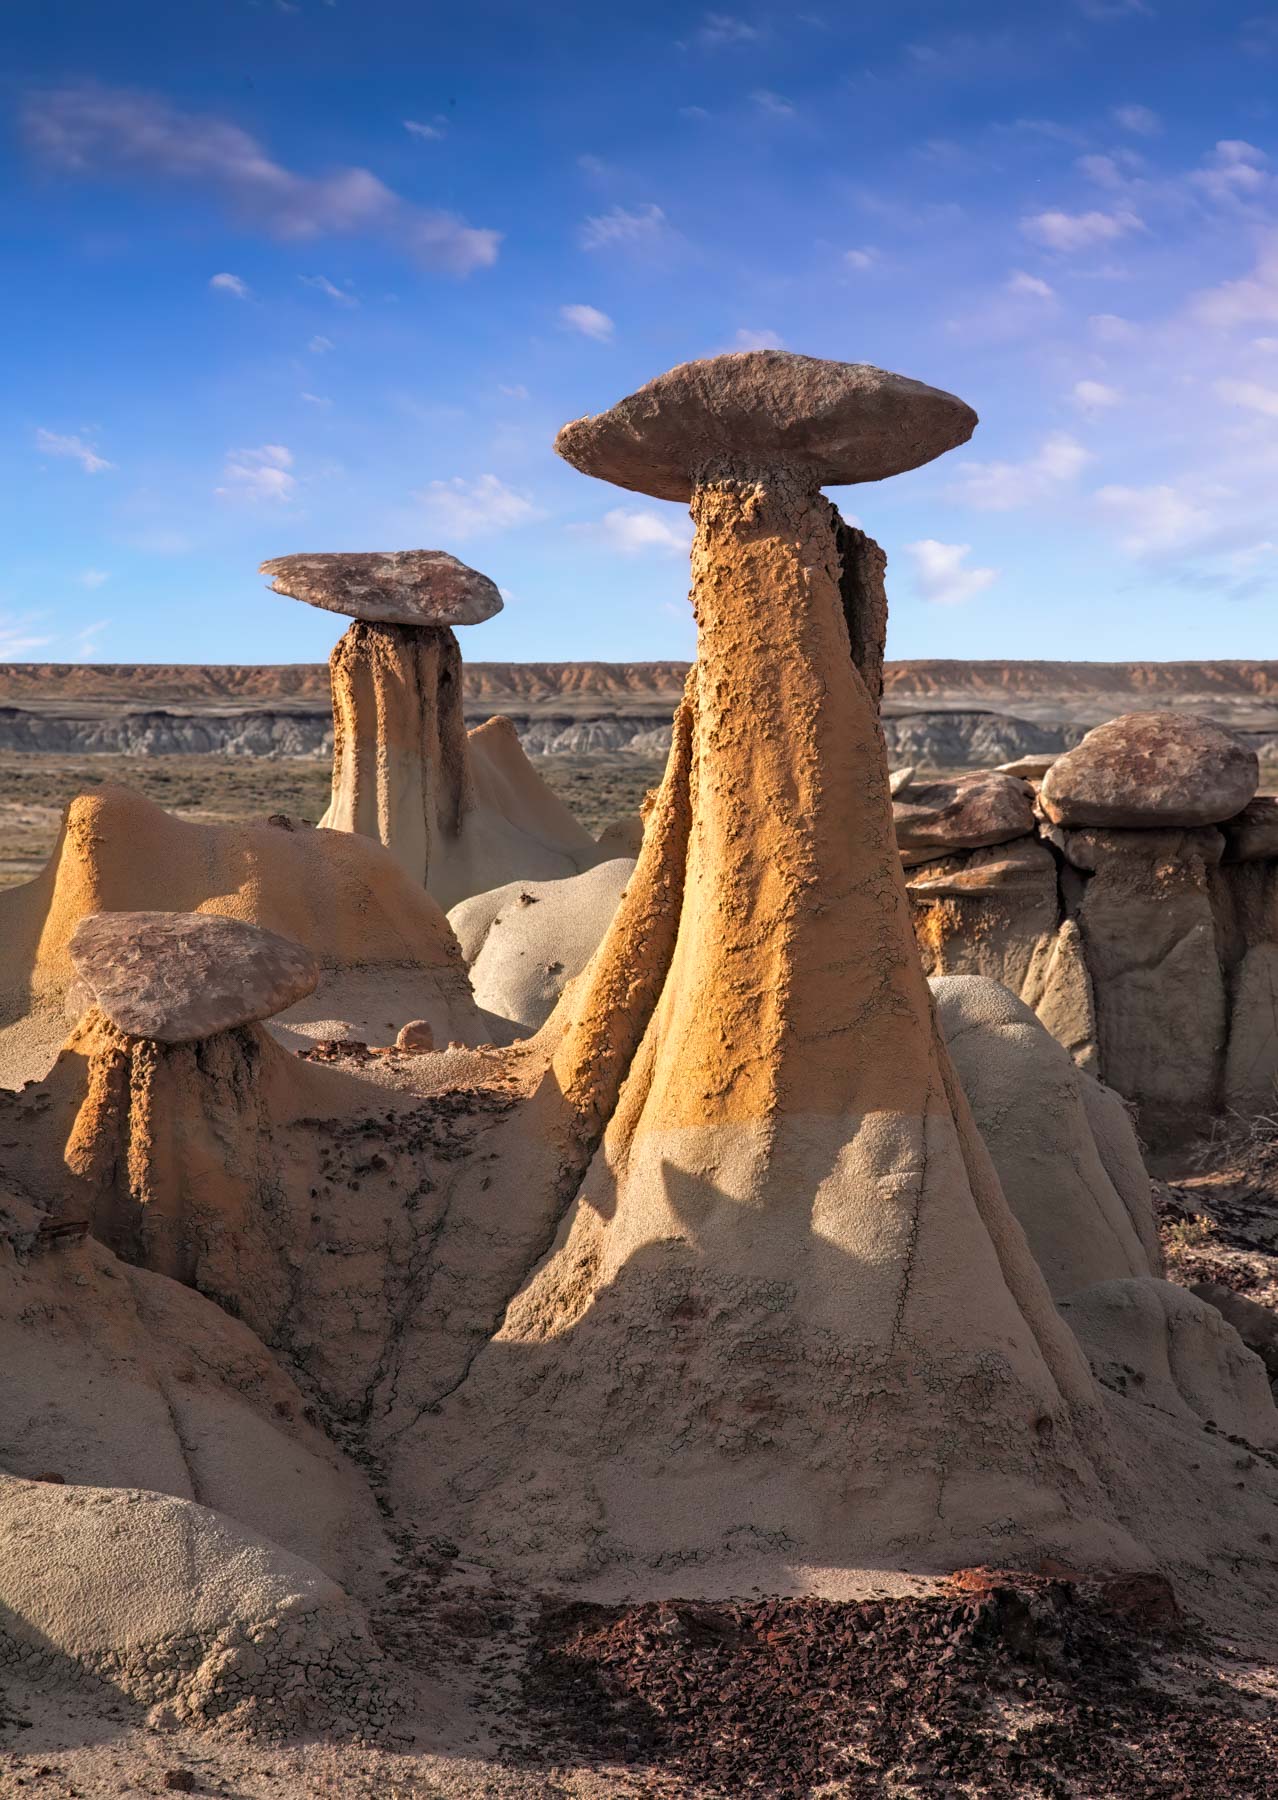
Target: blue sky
{"points": [[287, 275]]}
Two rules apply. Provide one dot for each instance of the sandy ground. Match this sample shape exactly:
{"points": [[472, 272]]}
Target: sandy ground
{"points": [[35, 788]]}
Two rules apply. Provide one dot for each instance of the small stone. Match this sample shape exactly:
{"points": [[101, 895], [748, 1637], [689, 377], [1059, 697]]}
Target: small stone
{"points": [[1146, 771], [416, 1037], [1029, 768], [179, 977], [966, 813], [179, 1781], [388, 587], [899, 780]]}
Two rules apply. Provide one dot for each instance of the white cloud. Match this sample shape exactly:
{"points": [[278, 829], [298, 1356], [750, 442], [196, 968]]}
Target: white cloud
{"points": [[1078, 231], [315, 399], [461, 509], [1095, 396], [940, 576], [87, 129], [1003, 486], [261, 474], [775, 106], [516, 390], [1253, 300], [864, 258], [329, 289], [634, 532], [54, 443], [319, 345], [1250, 394], [230, 284], [1103, 170], [85, 644], [1018, 282], [718, 29], [419, 128], [1139, 119], [757, 340], [93, 578], [645, 225], [1153, 519], [17, 640], [1235, 172], [1108, 328], [589, 321]]}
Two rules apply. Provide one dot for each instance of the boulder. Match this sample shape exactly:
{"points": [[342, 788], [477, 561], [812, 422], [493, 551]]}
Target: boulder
{"points": [[1151, 770], [179, 977], [388, 587], [963, 813]]}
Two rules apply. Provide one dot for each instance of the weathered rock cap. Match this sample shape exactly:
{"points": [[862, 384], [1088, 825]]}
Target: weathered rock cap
{"points": [[388, 587], [179, 977], [1151, 770], [968, 812], [757, 410]]}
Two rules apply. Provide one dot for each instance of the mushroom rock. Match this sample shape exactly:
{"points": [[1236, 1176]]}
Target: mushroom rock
{"points": [[384, 948], [177, 977], [968, 812], [1150, 771], [459, 814], [524, 942], [789, 1325], [1084, 1204]]}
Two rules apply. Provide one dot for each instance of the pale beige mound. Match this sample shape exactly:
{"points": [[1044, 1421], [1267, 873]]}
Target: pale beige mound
{"points": [[117, 1377], [179, 1608], [1084, 1202], [524, 942], [1168, 1350], [383, 945], [459, 812], [789, 1325]]}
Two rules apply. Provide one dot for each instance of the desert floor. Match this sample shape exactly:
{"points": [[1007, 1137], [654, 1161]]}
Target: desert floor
{"points": [[34, 789]]}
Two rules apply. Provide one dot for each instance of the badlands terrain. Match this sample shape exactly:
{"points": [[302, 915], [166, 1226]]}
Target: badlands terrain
{"points": [[772, 1293]]}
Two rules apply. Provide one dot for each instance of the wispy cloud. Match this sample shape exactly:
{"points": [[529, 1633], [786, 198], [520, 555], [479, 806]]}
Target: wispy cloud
{"points": [[773, 106], [637, 532], [93, 578], [861, 259], [261, 474], [719, 29], [229, 284], [1094, 397], [462, 509], [756, 340], [645, 225], [1252, 300], [55, 443], [1140, 119], [1155, 519], [1019, 282], [1003, 486], [1235, 172], [330, 290], [17, 639], [87, 642], [88, 130], [315, 399], [320, 346], [939, 574], [431, 130], [589, 321], [1078, 231], [1254, 396]]}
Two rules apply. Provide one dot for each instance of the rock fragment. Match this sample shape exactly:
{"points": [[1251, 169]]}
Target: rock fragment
{"points": [[967, 812]]}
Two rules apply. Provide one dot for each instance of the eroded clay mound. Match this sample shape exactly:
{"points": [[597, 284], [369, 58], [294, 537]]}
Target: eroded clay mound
{"points": [[524, 942], [385, 950], [180, 1609], [1084, 1203]]}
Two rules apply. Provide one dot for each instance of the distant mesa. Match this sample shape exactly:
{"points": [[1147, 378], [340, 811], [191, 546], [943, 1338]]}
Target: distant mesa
{"points": [[830, 422], [388, 587]]}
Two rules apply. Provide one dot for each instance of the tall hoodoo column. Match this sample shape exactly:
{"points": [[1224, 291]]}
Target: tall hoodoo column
{"points": [[401, 765], [789, 1323]]}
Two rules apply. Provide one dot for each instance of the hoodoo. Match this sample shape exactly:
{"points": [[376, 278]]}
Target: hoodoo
{"points": [[460, 815], [789, 1325]]}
